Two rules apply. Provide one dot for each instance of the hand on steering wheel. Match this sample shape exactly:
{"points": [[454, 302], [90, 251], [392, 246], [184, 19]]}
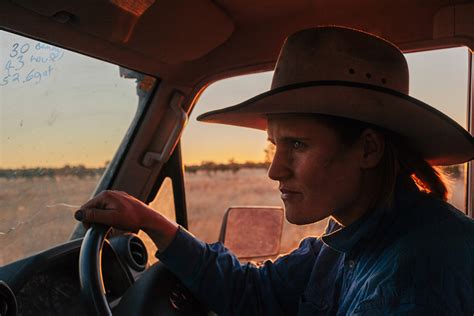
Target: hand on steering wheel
{"points": [[122, 211], [157, 292]]}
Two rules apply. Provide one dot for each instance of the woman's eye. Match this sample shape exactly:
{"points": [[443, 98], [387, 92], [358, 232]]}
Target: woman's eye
{"points": [[297, 144]]}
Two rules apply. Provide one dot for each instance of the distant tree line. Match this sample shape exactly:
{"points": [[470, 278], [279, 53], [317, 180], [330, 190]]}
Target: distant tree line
{"points": [[454, 171], [78, 171], [209, 167], [82, 171]]}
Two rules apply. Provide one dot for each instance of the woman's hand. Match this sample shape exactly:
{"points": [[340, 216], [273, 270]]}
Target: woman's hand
{"points": [[116, 209], [123, 211]]}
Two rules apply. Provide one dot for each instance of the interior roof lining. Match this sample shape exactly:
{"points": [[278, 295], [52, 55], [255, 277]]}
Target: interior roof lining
{"points": [[222, 60]]}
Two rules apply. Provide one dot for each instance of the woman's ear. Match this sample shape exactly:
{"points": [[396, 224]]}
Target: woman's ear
{"points": [[372, 148]]}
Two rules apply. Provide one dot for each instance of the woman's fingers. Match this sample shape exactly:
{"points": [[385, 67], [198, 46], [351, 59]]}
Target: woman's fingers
{"points": [[107, 217], [123, 211], [104, 200], [112, 208], [93, 215]]}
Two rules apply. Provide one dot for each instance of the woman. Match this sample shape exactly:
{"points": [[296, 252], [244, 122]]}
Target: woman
{"points": [[350, 144]]}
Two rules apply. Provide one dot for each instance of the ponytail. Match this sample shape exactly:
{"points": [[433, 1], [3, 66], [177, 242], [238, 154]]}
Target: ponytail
{"points": [[429, 179]]}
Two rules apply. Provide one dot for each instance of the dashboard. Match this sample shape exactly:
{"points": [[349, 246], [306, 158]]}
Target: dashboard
{"points": [[48, 282]]}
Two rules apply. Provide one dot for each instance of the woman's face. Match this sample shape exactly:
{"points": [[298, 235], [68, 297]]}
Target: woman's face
{"points": [[318, 175]]}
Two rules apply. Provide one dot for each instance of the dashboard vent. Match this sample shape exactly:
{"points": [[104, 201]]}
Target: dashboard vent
{"points": [[8, 305], [131, 249], [138, 255]]}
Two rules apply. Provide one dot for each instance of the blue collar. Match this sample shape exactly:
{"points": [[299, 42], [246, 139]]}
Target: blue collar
{"points": [[345, 239]]}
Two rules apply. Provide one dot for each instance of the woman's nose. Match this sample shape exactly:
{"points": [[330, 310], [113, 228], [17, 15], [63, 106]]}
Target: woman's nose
{"points": [[279, 168]]}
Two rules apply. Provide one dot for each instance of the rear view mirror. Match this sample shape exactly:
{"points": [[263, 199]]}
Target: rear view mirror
{"points": [[252, 232]]}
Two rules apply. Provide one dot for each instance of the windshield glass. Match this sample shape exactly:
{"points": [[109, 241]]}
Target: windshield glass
{"points": [[63, 116]]}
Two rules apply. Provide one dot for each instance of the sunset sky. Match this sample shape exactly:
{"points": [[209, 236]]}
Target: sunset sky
{"points": [[76, 110]]}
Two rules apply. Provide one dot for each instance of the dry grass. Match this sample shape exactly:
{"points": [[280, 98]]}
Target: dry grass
{"points": [[32, 217]]}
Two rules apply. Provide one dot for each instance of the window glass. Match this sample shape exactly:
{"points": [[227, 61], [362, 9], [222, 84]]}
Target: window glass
{"points": [[440, 79], [226, 165], [63, 116], [164, 203]]}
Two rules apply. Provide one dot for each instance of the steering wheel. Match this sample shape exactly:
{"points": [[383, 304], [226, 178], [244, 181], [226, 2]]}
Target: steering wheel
{"points": [[90, 272], [157, 292]]}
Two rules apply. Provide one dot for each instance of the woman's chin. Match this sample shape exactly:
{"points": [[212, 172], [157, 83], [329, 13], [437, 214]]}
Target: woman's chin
{"points": [[297, 217], [297, 221]]}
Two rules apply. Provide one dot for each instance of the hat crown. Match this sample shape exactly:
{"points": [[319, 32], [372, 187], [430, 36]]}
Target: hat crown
{"points": [[341, 54]]}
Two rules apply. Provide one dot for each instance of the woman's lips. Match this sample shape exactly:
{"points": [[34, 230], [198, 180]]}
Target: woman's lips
{"points": [[287, 194]]}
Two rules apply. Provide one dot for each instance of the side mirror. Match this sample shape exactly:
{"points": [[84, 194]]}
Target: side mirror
{"points": [[252, 232]]}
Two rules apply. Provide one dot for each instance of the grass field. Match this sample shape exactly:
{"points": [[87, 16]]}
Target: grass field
{"points": [[37, 213]]}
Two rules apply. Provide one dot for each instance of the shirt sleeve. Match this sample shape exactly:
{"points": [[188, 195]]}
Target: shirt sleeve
{"points": [[228, 287]]}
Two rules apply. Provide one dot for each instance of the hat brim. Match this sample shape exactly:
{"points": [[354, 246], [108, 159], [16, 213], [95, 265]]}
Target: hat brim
{"points": [[438, 138]]}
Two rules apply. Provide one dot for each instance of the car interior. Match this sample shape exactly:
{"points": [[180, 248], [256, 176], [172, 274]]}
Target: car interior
{"points": [[173, 51]]}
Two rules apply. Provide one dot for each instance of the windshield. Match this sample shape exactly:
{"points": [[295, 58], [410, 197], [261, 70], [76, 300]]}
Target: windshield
{"points": [[63, 116]]}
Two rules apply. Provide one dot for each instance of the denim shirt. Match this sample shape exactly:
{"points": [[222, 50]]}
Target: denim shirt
{"points": [[415, 258]]}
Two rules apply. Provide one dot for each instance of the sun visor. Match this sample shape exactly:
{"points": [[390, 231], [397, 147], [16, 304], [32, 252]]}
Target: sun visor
{"points": [[172, 31]]}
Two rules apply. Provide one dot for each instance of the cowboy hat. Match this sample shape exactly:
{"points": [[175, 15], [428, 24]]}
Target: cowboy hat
{"points": [[348, 73]]}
